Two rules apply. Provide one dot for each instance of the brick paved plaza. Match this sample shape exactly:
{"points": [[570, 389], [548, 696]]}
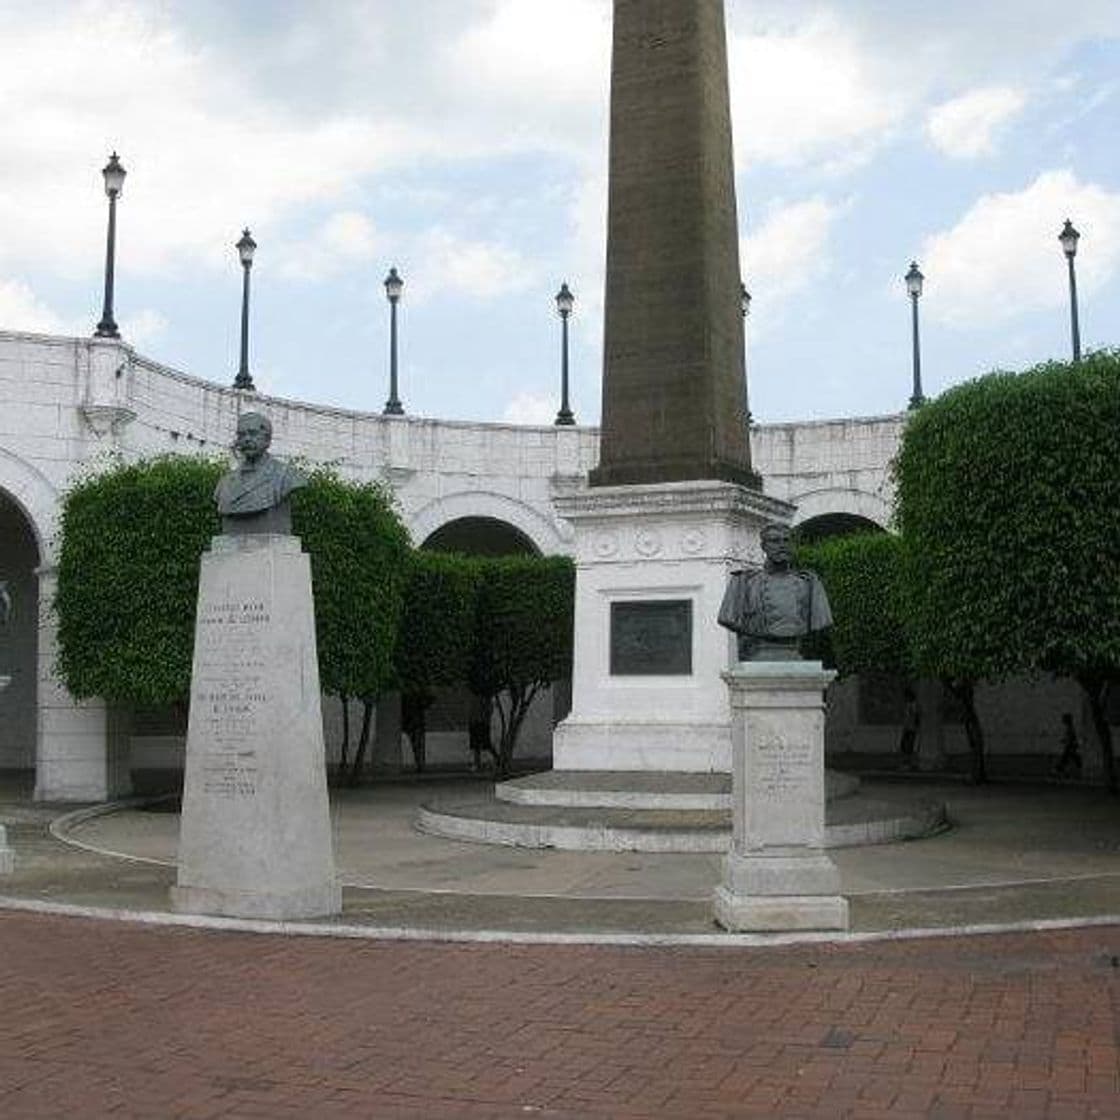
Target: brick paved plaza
{"points": [[111, 1018]]}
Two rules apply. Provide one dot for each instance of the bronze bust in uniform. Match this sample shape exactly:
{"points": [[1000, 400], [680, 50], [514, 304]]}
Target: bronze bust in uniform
{"points": [[772, 609], [254, 497]]}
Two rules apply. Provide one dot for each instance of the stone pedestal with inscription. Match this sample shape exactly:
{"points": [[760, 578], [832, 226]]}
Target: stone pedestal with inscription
{"points": [[776, 876], [255, 836], [651, 568]]}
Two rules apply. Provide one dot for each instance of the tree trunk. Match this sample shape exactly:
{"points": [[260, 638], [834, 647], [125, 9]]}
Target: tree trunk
{"points": [[414, 707], [368, 703], [965, 692], [520, 701], [344, 750], [1096, 688]]}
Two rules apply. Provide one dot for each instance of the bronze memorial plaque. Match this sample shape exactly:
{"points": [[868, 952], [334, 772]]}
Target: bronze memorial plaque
{"points": [[651, 638]]}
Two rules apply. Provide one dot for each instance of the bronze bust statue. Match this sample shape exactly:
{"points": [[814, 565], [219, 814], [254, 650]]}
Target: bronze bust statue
{"points": [[254, 497], [772, 609]]}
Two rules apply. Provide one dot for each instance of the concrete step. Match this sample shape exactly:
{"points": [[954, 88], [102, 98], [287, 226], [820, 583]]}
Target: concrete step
{"points": [[850, 821], [628, 789]]}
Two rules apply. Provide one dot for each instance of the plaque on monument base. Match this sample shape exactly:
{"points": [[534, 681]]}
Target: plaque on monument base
{"points": [[255, 833], [776, 876]]}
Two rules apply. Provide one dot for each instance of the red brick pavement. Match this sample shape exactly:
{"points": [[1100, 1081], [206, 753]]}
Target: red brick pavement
{"points": [[102, 1018]]}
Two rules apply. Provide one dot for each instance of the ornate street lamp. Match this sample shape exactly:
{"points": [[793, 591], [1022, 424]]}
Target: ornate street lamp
{"points": [[394, 285], [745, 307], [565, 301], [113, 174], [914, 280], [1068, 237], [246, 247]]}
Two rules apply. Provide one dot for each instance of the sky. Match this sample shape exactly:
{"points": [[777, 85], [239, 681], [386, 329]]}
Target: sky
{"points": [[464, 142]]}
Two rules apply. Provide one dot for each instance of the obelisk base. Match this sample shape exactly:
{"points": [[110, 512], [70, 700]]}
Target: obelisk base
{"points": [[255, 834], [651, 568], [776, 875]]}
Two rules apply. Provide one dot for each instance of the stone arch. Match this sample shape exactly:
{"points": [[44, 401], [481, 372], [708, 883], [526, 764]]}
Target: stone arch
{"points": [[480, 536], [36, 499], [859, 503], [20, 562], [540, 530]]}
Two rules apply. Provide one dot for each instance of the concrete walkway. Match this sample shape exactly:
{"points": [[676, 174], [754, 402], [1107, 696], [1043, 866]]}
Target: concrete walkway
{"points": [[1016, 855]]}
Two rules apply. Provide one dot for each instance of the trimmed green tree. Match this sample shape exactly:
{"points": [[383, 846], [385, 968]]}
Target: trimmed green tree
{"points": [[435, 637], [128, 579], [359, 566], [1009, 509], [862, 574], [523, 639]]}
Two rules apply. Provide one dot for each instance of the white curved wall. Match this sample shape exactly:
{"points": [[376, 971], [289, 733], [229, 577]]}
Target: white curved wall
{"points": [[69, 406]]}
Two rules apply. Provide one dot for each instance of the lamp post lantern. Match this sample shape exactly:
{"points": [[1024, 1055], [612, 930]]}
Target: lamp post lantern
{"points": [[745, 307], [246, 247], [565, 301], [1068, 237], [394, 285], [113, 174], [914, 280]]}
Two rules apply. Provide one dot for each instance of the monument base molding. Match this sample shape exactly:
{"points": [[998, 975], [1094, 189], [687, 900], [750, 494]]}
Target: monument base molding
{"points": [[311, 902], [255, 833], [776, 913]]}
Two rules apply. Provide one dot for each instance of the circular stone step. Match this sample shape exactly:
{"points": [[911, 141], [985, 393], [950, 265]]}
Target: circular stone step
{"points": [[854, 820], [628, 789]]}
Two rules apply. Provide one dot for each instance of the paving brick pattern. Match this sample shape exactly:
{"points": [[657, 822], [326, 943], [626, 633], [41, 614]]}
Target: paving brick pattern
{"points": [[104, 1018]]}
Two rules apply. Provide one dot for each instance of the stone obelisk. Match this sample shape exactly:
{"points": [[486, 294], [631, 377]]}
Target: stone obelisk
{"points": [[673, 504], [674, 391]]}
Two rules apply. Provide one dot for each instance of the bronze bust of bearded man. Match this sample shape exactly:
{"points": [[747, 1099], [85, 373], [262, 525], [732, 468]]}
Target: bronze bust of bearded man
{"points": [[254, 496], [772, 609]]}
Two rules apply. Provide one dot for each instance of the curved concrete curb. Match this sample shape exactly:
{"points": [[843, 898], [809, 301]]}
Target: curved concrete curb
{"points": [[61, 827], [409, 933], [862, 821], [630, 790]]}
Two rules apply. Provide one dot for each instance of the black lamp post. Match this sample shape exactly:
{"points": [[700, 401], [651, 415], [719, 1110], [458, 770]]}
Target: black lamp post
{"points": [[745, 307], [1068, 237], [565, 301], [914, 280], [246, 247], [394, 285], [113, 174]]}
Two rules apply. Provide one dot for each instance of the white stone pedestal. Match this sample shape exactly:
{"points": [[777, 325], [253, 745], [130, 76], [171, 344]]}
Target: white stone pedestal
{"points": [[671, 544], [776, 875], [255, 836], [7, 856]]}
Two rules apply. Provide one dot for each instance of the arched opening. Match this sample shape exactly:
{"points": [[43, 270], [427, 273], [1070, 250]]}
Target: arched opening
{"points": [[480, 536], [19, 641], [825, 525]]}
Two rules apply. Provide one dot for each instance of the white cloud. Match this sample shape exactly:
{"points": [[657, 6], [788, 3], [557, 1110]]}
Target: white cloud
{"points": [[345, 237], [143, 328], [205, 154], [1003, 259], [22, 310], [788, 251], [481, 270], [807, 93], [965, 127], [556, 55], [530, 408]]}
